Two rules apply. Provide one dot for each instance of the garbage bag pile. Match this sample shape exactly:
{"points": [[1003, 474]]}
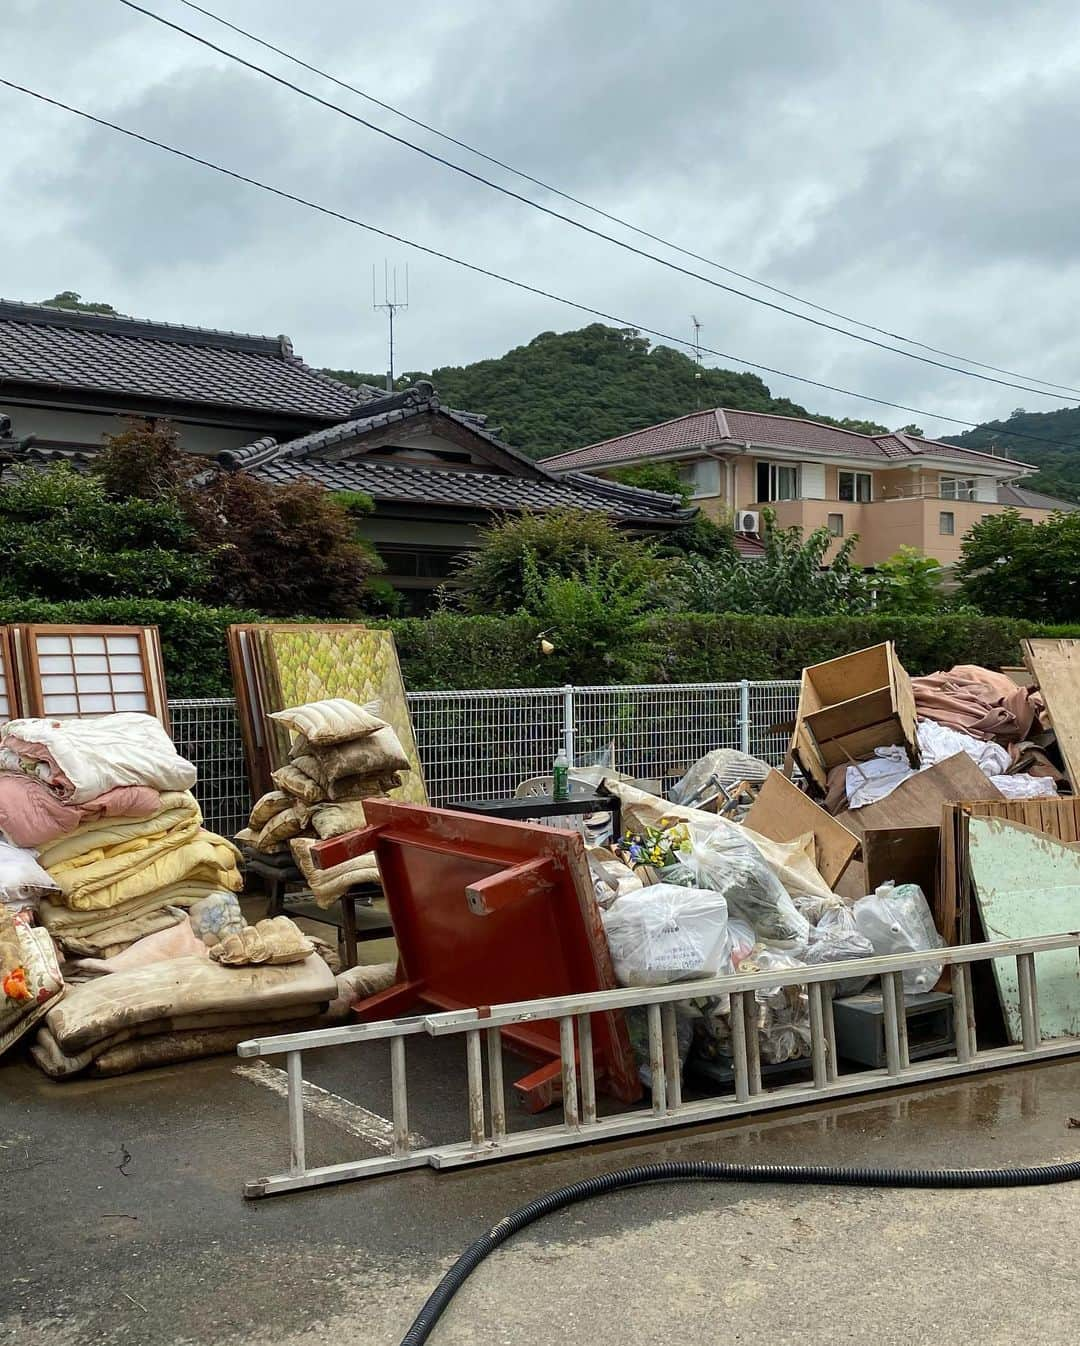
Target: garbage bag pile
{"points": [[686, 895]]}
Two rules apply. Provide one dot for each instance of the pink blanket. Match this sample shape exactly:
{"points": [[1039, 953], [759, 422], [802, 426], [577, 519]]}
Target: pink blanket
{"points": [[978, 701], [32, 815]]}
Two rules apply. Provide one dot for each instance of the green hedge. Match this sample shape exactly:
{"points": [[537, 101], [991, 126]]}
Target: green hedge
{"points": [[453, 652]]}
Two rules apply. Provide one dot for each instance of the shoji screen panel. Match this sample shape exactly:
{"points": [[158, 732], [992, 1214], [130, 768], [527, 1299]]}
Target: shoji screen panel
{"points": [[91, 670]]}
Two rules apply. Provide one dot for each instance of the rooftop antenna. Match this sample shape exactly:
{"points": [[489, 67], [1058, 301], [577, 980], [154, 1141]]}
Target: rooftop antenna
{"points": [[391, 304], [697, 354]]}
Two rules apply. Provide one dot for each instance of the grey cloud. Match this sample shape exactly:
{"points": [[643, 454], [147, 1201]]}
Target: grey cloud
{"points": [[906, 162]]}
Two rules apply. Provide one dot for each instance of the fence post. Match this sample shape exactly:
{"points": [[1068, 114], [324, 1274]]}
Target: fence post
{"points": [[744, 716], [568, 722]]}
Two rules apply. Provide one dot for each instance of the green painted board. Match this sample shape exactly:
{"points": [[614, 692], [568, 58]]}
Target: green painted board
{"points": [[1028, 884]]}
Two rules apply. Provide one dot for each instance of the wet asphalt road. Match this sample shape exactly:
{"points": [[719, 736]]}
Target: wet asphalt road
{"points": [[124, 1223]]}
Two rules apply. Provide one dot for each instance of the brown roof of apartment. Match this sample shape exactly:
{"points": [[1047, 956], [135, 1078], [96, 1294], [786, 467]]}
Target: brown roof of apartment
{"points": [[763, 429]]}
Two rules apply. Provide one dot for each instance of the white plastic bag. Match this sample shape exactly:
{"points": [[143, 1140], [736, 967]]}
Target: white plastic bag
{"points": [[781, 1013], [22, 879], [665, 933], [896, 919], [724, 862], [743, 940], [836, 939]]}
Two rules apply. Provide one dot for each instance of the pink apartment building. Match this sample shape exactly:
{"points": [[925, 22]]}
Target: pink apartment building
{"points": [[892, 490]]}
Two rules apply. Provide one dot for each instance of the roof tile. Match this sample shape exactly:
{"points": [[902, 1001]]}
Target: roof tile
{"points": [[716, 428], [135, 358]]}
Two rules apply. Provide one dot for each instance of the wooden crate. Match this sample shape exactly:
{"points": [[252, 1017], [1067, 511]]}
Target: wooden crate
{"points": [[850, 706]]}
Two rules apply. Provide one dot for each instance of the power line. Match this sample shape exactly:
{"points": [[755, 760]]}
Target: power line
{"points": [[474, 267], [568, 219], [607, 215]]}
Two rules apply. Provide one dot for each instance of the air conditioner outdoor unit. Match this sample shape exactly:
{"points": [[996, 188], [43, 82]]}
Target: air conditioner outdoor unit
{"points": [[747, 521]]}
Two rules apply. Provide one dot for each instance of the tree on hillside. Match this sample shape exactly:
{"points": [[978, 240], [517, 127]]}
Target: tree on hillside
{"points": [[1009, 568], [72, 300], [566, 389], [1048, 439]]}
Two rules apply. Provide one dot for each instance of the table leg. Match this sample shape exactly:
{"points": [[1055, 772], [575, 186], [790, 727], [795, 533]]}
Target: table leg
{"points": [[348, 923]]}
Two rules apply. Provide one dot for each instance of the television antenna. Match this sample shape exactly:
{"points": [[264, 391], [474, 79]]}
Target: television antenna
{"points": [[696, 321], [391, 304]]}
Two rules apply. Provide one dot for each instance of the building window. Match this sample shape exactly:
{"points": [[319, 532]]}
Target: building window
{"points": [[701, 477], [957, 488], [857, 487], [946, 523], [777, 481], [836, 525]]}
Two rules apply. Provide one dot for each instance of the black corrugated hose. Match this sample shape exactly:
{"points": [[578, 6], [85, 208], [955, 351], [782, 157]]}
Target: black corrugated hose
{"points": [[702, 1171]]}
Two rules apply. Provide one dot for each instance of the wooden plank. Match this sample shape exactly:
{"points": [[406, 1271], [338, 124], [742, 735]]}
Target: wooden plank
{"points": [[1026, 885], [917, 801], [1055, 665], [903, 855], [782, 812], [857, 745], [835, 721]]}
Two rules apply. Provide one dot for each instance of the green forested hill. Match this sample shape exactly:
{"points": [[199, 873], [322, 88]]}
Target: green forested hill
{"points": [[1058, 464], [567, 389]]}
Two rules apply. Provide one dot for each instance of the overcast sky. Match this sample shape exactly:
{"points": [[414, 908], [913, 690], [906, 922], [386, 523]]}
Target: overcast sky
{"points": [[911, 164]]}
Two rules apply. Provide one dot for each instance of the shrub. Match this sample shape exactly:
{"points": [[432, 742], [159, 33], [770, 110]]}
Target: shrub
{"points": [[62, 537], [1021, 569], [493, 578], [788, 581], [451, 652], [281, 549]]}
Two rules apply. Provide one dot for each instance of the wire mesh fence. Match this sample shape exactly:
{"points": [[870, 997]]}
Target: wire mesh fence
{"points": [[483, 744]]}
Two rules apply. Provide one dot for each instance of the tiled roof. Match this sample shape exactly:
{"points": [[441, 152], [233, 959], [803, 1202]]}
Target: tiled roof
{"points": [[751, 548], [525, 485], [1021, 498], [721, 426], [400, 482], [96, 353]]}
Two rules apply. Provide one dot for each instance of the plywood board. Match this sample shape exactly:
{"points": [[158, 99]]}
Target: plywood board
{"points": [[902, 855], [1055, 665], [782, 812], [917, 801], [1027, 884]]}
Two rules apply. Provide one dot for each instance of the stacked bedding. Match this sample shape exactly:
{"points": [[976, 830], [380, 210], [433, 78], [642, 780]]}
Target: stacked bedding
{"points": [[106, 804], [341, 754], [174, 1010]]}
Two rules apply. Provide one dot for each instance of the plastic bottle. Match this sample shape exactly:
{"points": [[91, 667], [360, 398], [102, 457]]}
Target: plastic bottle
{"points": [[560, 776]]}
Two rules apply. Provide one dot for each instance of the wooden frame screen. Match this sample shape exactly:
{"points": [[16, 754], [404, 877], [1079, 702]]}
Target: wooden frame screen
{"points": [[69, 671], [9, 686]]}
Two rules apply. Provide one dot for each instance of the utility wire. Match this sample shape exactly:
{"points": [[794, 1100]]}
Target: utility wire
{"points": [[607, 215], [495, 275], [568, 219]]}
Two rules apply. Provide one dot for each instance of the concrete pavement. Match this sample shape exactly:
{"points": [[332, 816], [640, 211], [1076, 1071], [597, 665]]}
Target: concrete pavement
{"points": [[124, 1223]]}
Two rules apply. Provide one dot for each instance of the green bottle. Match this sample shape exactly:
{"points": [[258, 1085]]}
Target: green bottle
{"points": [[560, 776]]}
